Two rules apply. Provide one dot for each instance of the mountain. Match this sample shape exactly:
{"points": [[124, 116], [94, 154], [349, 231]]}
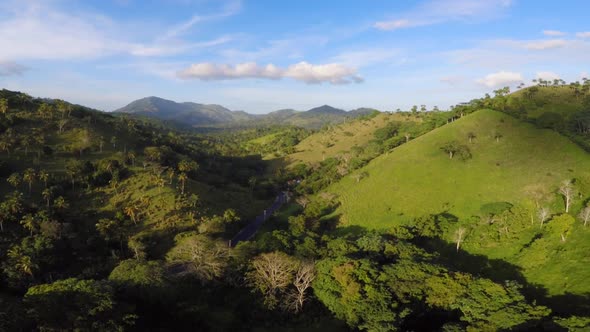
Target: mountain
{"points": [[201, 115], [187, 113]]}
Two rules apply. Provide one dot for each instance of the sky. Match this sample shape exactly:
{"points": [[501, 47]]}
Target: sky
{"points": [[264, 55]]}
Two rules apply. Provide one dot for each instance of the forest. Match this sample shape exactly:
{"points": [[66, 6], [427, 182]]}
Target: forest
{"points": [[112, 222]]}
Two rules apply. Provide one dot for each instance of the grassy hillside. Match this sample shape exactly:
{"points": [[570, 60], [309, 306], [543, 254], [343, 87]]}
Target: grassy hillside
{"points": [[418, 178], [524, 168], [340, 138]]}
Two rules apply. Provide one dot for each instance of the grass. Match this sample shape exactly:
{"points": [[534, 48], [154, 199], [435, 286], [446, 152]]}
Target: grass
{"points": [[418, 179], [340, 138]]}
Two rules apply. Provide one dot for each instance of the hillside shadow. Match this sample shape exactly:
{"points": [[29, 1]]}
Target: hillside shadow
{"points": [[501, 271]]}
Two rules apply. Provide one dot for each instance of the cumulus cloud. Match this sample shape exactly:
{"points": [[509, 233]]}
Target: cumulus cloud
{"points": [[547, 75], [441, 11], [333, 73], [501, 78], [9, 68], [553, 33], [541, 45], [585, 34]]}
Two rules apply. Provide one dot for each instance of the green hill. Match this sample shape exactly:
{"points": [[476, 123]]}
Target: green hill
{"points": [[521, 169], [340, 138]]}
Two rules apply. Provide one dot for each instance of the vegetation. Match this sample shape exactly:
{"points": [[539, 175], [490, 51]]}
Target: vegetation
{"points": [[473, 219]]}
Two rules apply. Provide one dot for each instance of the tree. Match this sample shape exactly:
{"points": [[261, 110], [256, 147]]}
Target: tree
{"points": [[74, 305], [187, 166], [60, 203], [407, 136], [100, 143], [114, 141], [567, 191], [61, 124], [14, 179], [585, 215], [459, 236], [131, 212], [303, 201], [30, 223], [471, 136], [44, 176], [45, 110], [3, 105], [270, 274], [131, 155], [199, 256], [22, 262], [304, 276], [497, 136], [64, 108], [182, 177], [562, 225], [360, 175], [47, 195], [29, 177], [137, 246], [543, 214], [453, 148]]}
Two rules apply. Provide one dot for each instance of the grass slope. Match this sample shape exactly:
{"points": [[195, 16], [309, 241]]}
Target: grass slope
{"points": [[340, 138], [418, 178]]}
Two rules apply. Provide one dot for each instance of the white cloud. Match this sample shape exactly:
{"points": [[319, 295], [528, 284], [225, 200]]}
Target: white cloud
{"points": [[42, 30], [553, 33], [333, 73], [547, 75], [441, 11], [501, 78], [541, 45], [10, 68], [585, 34]]}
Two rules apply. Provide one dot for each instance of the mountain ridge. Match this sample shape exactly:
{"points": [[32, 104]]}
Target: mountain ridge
{"points": [[197, 114]]}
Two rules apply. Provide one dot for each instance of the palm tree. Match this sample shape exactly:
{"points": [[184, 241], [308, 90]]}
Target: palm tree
{"points": [[182, 178], [131, 212], [29, 222], [22, 261], [14, 179], [29, 176], [47, 195], [3, 105], [131, 155], [171, 175], [60, 203], [160, 182], [100, 143], [44, 176]]}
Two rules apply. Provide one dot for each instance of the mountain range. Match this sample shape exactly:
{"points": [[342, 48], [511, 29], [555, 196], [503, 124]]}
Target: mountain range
{"points": [[204, 115]]}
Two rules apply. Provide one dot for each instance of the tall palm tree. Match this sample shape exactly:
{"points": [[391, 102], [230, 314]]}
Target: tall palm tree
{"points": [[47, 195], [29, 177], [29, 222], [182, 177], [44, 176]]}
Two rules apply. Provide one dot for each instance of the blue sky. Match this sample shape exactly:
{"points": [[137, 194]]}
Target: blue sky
{"points": [[264, 55]]}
